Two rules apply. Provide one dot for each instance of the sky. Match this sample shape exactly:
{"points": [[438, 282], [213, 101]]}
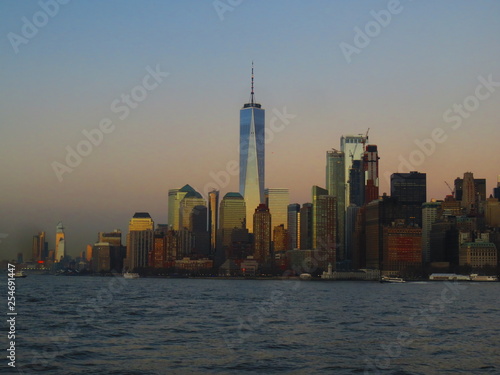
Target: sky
{"points": [[158, 85]]}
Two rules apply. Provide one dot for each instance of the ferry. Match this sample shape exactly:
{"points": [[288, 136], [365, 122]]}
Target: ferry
{"points": [[305, 276], [387, 279], [20, 274], [131, 275], [476, 277]]}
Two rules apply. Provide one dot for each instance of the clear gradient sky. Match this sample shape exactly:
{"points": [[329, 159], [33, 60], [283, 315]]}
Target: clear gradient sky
{"points": [[64, 79]]}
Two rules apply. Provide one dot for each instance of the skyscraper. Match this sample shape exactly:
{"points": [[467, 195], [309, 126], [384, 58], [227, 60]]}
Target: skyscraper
{"points": [[186, 205], [262, 234], [316, 193], [213, 218], [139, 240], [175, 197], [252, 137], [496, 190], [232, 224], [353, 148], [411, 191], [60, 244], [277, 201], [293, 226], [370, 162], [430, 213], [172, 195], [40, 247], [325, 213], [336, 186], [306, 227]]}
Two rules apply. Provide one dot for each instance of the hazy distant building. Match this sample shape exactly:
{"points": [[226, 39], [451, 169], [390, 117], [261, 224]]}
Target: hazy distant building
{"points": [[60, 251], [293, 226], [479, 188], [306, 226], [172, 196], [496, 190], [175, 197], [139, 240], [411, 191], [262, 234], [116, 251], [277, 200], [39, 249], [252, 153]]}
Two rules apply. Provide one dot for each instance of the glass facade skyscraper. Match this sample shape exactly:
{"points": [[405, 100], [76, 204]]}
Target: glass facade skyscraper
{"points": [[252, 136], [277, 200]]}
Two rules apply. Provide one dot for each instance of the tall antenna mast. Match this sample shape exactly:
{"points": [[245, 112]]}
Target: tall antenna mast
{"points": [[251, 92]]}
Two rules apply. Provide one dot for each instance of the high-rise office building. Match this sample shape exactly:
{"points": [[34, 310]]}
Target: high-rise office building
{"points": [[172, 196], [188, 202], [139, 240], [350, 226], [411, 191], [277, 200], [336, 186], [306, 226], [262, 234], [60, 243], [370, 161], [213, 219], [115, 251], [232, 224], [378, 213], [357, 183], [316, 193], [293, 226], [198, 227], [430, 214], [252, 147], [353, 148], [325, 212], [175, 197], [468, 192], [479, 187], [496, 190], [402, 248]]}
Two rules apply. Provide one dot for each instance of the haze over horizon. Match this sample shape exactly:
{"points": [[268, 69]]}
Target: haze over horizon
{"points": [[70, 76]]}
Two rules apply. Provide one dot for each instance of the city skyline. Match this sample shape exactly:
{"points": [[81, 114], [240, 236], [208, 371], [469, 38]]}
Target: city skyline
{"points": [[186, 129]]}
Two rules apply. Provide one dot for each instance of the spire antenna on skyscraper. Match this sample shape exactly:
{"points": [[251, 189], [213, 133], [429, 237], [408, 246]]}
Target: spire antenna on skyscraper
{"points": [[252, 92]]}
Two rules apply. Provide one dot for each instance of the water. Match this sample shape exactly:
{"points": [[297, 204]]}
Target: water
{"points": [[99, 325]]}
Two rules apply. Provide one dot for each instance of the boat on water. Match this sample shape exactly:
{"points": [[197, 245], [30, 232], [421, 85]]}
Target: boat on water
{"points": [[388, 279], [20, 274], [305, 276], [131, 275], [476, 277]]}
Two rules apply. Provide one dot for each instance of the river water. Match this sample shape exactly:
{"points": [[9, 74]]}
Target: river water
{"points": [[109, 325]]}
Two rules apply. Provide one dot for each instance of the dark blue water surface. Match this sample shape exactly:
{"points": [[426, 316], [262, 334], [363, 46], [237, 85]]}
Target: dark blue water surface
{"points": [[109, 325]]}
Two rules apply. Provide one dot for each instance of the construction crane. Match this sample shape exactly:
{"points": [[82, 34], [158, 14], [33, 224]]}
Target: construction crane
{"points": [[449, 187]]}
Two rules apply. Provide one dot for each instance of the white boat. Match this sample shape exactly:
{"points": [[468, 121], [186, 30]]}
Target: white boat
{"points": [[20, 274], [305, 276], [131, 275], [387, 279], [476, 277]]}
